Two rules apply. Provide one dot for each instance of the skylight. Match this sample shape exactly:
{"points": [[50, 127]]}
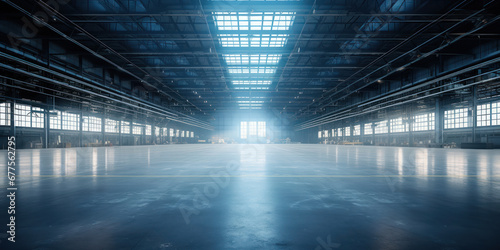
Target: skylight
{"points": [[251, 88], [251, 70], [252, 30], [248, 102], [253, 82], [253, 40], [253, 20], [250, 107], [245, 59]]}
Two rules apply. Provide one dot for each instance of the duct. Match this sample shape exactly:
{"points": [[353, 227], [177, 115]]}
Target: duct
{"points": [[419, 58], [49, 8], [476, 66], [123, 95], [106, 104], [318, 123], [399, 45], [425, 55]]}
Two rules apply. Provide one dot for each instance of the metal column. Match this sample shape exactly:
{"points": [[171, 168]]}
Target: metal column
{"points": [[439, 122], [474, 114]]}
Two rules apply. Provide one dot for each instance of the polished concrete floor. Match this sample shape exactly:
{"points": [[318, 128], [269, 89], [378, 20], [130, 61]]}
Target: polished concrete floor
{"points": [[255, 197]]}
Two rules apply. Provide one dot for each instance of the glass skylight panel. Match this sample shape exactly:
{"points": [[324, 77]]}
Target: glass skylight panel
{"points": [[252, 70], [250, 101], [243, 21], [250, 107], [251, 88], [250, 104], [254, 40], [255, 59], [251, 82]]}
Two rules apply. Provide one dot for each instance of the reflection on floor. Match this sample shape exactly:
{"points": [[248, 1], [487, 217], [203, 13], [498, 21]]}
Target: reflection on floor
{"points": [[256, 197]]}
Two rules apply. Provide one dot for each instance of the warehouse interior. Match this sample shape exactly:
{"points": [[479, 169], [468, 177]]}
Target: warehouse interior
{"points": [[252, 124]]}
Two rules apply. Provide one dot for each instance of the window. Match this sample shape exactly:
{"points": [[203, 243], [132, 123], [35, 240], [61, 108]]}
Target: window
{"points": [[398, 126], [125, 127], [243, 130], [484, 115], [182, 133], [157, 131], [177, 133], [25, 116], [70, 121], [252, 128], [495, 113], [148, 130], [165, 132], [325, 134], [4, 114], [192, 134], [339, 132], [357, 130], [262, 129], [368, 129], [172, 132], [111, 126], [55, 119], [347, 131], [424, 122], [22, 115], [187, 134], [92, 124], [137, 128], [320, 134], [37, 117], [456, 118], [333, 132], [381, 127]]}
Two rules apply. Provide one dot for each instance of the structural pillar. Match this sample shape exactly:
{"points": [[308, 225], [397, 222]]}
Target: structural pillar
{"points": [[410, 130], [374, 125], [46, 126], [120, 133], [361, 132], [475, 138], [12, 118], [103, 126], [80, 134], [438, 122]]}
